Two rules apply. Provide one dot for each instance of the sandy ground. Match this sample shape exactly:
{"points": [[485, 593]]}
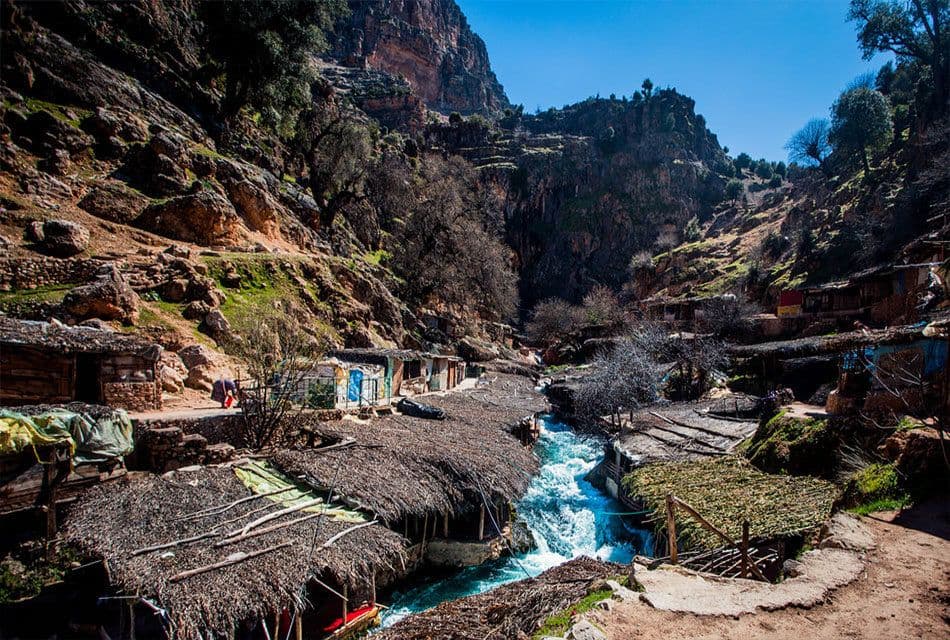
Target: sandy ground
{"points": [[903, 593]]}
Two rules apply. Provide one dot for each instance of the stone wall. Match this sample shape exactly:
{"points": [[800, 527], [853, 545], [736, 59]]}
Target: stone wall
{"points": [[161, 449], [30, 273], [132, 396]]}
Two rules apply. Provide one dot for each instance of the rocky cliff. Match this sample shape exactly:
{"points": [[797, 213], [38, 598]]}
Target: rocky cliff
{"points": [[430, 44]]}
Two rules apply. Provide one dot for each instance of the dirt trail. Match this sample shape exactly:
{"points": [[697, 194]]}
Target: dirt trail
{"points": [[903, 593]]}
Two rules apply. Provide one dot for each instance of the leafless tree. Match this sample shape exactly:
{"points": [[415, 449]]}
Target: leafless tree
{"points": [[278, 354], [809, 145], [901, 377], [552, 319], [728, 315], [601, 307], [625, 376]]}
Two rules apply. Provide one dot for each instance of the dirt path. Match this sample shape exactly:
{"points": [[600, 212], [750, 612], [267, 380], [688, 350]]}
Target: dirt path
{"points": [[903, 593]]}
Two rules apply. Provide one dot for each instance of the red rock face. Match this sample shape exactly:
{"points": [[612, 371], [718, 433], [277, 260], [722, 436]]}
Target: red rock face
{"points": [[429, 43]]}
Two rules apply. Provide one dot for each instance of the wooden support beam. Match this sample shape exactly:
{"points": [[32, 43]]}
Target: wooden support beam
{"points": [[671, 526], [445, 524], [744, 549], [298, 627], [481, 522]]}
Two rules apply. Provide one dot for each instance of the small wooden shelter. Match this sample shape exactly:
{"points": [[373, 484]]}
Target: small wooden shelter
{"points": [[50, 363]]}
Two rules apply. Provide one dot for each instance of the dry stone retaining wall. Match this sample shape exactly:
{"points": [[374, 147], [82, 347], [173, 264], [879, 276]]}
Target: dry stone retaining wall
{"points": [[30, 273]]}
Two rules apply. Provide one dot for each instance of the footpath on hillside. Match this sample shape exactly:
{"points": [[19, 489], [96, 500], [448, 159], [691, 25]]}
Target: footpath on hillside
{"points": [[903, 591]]}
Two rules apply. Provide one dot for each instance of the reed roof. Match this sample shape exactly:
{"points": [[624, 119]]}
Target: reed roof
{"points": [[67, 340], [726, 491], [399, 466], [114, 520]]}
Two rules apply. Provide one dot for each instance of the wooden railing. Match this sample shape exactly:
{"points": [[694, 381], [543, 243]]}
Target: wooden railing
{"points": [[672, 503]]}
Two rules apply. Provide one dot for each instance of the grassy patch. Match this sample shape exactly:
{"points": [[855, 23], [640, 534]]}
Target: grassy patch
{"points": [[58, 111], [559, 623], [378, 257], [876, 487], [792, 445], [52, 293]]}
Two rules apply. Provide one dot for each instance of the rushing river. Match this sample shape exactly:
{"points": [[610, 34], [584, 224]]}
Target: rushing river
{"points": [[568, 516]]}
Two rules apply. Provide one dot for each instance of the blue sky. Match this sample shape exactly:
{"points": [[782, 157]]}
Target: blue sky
{"points": [[758, 70]]}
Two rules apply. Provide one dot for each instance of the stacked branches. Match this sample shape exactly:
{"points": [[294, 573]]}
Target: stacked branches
{"points": [[514, 610], [114, 521], [727, 491]]}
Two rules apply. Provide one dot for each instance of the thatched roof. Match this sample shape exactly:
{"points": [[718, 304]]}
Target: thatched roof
{"points": [[65, 339], [113, 520], [820, 345], [403, 466], [727, 491], [513, 610], [680, 431]]}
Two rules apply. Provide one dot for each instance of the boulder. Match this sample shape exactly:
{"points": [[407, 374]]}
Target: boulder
{"points": [[255, 206], [216, 326], [57, 162], [205, 218], [475, 350], [200, 377], [42, 132], [584, 630], [109, 297], [34, 231], [195, 355], [60, 238], [175, 290], [918, 455], [158, 167], [114, 201], [172, 381], [195, 310]]}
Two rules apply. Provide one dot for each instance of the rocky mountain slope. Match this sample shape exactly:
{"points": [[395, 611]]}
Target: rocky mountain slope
{"points": [[430, 44]]}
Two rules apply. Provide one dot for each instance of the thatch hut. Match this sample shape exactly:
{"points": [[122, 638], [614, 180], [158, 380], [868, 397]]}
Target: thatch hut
{"points": [[728, 491], [174, 544]]}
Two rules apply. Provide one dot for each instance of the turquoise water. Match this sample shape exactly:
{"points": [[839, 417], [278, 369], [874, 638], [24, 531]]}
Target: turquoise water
{"points": [[568, 516]]}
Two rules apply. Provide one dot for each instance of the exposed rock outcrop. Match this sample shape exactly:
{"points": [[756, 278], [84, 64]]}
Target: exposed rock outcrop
{"points": [[205, 218], [428, 42], [60, 238]]}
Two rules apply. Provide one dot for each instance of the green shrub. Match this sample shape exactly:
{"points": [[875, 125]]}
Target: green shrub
{"points": [[876, 487]]}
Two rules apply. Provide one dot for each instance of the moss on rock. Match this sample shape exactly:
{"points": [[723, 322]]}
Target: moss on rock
{"points": [[793, 445]]}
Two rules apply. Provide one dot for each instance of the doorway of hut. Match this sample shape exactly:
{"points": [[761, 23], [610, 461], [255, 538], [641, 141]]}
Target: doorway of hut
{"points": [[87, 379]]}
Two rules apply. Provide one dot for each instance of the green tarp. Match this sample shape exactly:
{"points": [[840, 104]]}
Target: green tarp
{"points": [[90, 439]]}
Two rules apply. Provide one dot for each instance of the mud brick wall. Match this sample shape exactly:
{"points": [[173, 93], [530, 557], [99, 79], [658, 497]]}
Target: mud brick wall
{"points": [[133, 396], [30, 273]]}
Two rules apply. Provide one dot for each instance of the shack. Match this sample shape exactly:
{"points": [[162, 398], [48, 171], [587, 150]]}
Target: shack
{"points": [[50, 363], [879, 295], [334, 384], [446, 487], [405, 371], [224, 553], [726, 492]]}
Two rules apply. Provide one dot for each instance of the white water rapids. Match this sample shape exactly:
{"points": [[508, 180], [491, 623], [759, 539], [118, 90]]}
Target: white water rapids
{"points": [[568, 516]]}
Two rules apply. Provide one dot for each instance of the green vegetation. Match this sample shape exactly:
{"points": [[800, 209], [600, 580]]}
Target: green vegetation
{"points": [[68, 114], [25, 577], [876, 487], [860, 122], [793, 445], [50, 293], [557, 624], [378, 257]]}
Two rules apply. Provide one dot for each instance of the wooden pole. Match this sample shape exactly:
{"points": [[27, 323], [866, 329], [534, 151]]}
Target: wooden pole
{"points": [[671, 527], [298, 628], [744, 549], [344, 605], [445, 525], [372, 587], [481, 522]]}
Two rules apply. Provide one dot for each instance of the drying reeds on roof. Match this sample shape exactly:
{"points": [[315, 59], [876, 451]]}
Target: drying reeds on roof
{"points": [[727, 491], [140, 527], [510, 611], [401, 466]]}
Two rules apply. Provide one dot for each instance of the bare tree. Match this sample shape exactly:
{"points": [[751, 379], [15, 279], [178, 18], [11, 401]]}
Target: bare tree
{"points": [[626, 376], [810, 145], [552, 319], [279, 354]]}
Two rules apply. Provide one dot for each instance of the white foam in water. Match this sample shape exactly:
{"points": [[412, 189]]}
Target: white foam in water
{"points": [[566, 514]]}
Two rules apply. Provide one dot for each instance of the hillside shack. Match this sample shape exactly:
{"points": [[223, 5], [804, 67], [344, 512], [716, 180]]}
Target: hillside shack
{"points": [[50, 363]]}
